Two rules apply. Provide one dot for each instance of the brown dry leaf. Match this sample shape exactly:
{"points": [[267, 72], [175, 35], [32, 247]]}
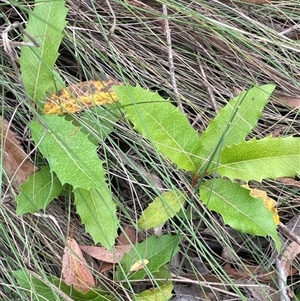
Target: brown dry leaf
{"points": [[83, 95], [291, 101], [288, 256], [130, 237], [268, 202], [123, 240], [289, 181], [15, 161], [106, 266], [247, 272], [74, 267], [103, 254]]}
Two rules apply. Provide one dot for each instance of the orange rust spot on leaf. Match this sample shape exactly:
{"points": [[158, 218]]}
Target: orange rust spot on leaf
{"points": [[81, 96], [268, 202]]}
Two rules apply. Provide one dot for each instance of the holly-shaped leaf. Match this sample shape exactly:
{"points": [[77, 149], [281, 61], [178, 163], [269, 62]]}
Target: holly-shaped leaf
{"points": [[98, 213], [161, 209], [40, 189], [163, 124], [70, 154], [46, 24], [75, 161], [156, 250], [239, 209], [232, 124], [267, 158]]}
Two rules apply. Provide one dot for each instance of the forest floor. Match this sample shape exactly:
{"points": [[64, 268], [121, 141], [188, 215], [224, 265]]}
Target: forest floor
{"points": [[215, 51]]}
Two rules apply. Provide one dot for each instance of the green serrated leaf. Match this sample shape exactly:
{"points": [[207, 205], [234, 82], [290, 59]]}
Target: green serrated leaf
{"points": [[267, 158], [70, 154], [38, 191], [98, 122], [162, 293], [157, 250], [161, 209], [238, 209], [97, 211], [163, 124], [46, 24], [232, 123]]}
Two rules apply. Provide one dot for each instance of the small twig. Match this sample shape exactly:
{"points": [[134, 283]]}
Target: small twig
{"points": [[113, 27], [282, 281], [288, 30], [170, 55], [281, 272], [50, 216], [288, 233], [206, 84], [6, 41]]}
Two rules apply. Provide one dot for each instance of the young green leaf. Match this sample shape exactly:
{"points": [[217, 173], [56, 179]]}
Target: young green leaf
{"points": [[70, 154], [233, 123], [157, 250], [162, 293], [39, 290], [39, 190], [161, 209], [163, 275], [97, 211], [267, 158], [238, 209], [163, 124], [46, 24]]}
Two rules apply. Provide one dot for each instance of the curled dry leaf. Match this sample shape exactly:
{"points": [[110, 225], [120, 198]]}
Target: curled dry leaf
{"points": [[83, 95], [74, 267], [103, 254], [15, 161]]}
